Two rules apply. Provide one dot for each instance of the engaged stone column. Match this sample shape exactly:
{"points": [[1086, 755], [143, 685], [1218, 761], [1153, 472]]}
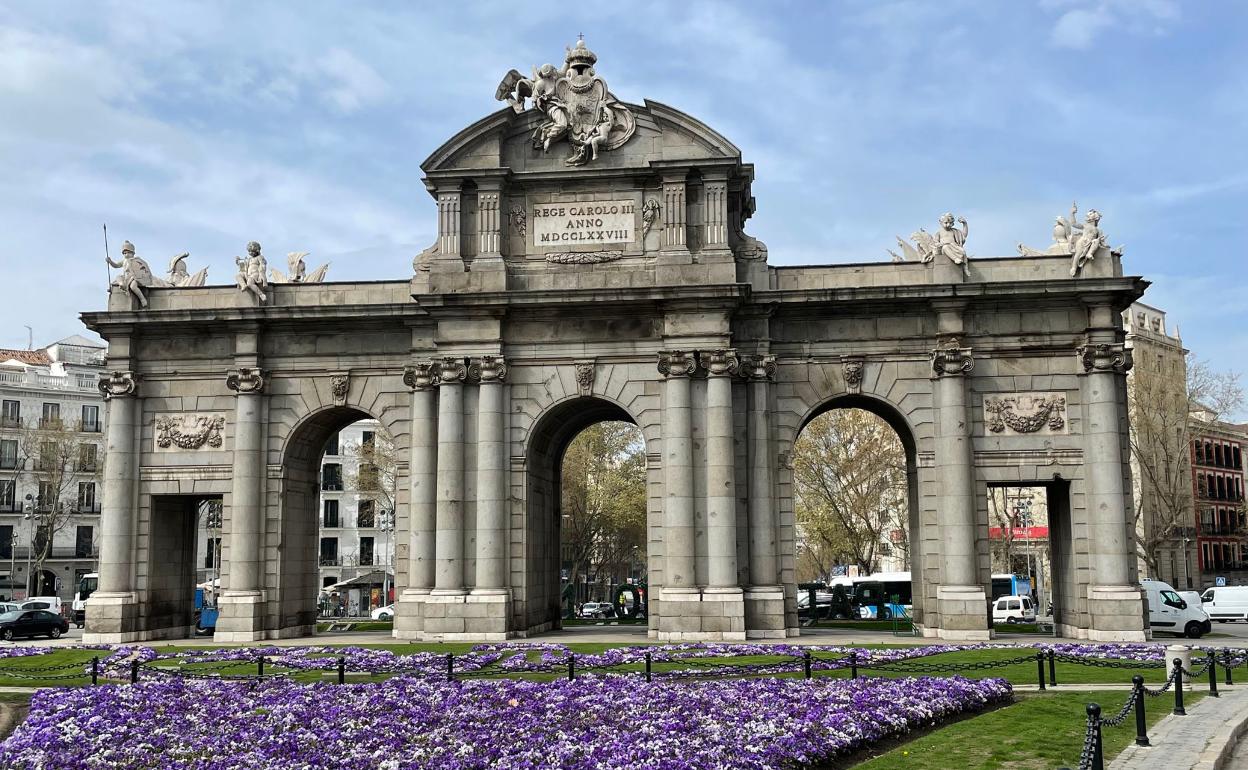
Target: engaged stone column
{"points": [[246, 505], [491, 478], [721, 489], [764, 564], [960, 597], [449, 547], [422, 378], [678, 532], [117, 511]]}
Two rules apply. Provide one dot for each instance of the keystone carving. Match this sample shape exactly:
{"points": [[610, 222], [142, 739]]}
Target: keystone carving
{"points": [[952, 359], [189, 431], [487, 369], [852, 368], [421, 375], [115, 384], [585, 377], [1026, 412], [451, 370], [339, 387], [719, 363], [757, 367], [245, 380], [677, 363], [1105, 357]]}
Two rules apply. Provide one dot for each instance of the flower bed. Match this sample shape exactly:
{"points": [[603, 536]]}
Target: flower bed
{"points": [[407, 723]]}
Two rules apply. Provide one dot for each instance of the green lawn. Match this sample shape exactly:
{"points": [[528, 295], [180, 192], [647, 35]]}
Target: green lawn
{"points": [[1036, 732]]}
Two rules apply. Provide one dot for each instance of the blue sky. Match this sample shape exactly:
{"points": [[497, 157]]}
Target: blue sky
{"points": [[198, 127]]}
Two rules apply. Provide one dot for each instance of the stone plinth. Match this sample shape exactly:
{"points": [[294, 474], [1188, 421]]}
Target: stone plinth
{"points": [[963, 613], [240, 617], [764, 613], [112, 618], [1116, 613], [464, 617]]}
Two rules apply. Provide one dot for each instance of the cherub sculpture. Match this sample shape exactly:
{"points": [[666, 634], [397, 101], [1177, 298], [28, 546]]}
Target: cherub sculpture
{"points": [[299, 270], [251, 272], [1083, 242], [949, 242]]}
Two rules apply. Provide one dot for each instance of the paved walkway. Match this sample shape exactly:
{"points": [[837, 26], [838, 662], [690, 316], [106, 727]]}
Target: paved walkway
{"points": [[1202, 740]]}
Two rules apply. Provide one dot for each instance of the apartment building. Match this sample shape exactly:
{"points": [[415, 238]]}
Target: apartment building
{"points": [[51, 443], [1218, 489]]}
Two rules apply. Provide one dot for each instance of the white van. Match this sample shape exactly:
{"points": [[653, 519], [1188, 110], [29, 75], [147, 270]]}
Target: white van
{"points": [[1226, 603], [1013, 609], [1168, 612]]}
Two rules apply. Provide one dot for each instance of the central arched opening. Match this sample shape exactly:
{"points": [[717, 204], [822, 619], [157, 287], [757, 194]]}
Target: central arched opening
{"points": [[855, 490], [586, 517]]}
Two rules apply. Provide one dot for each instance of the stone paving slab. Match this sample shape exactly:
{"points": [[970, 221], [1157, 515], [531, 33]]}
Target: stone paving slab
{"points": [[1202, 740]]}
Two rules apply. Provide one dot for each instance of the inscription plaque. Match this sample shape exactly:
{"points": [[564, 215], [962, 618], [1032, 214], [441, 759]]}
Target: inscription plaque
{"points": [[582, 224]]}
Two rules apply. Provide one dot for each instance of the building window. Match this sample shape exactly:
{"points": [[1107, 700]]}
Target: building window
{"points": [[331, 446], [212, 552], [1200, 485], [83, 538], [330, 518], [368, 438], [43, 540], [87, 457], [1199, 452], [51, 416], [48, 497], [366, 517], [329, 552], [86, 496], [331, 477], [6, 541], [8, 495], [11, 414], [1237, 458], [328, 581], [366, 552], [8, 454], [1217, 455], [90, 418]]}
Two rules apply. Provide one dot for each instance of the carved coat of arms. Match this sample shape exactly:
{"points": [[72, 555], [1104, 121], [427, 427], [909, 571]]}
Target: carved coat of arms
{"points": [[576, 104]]}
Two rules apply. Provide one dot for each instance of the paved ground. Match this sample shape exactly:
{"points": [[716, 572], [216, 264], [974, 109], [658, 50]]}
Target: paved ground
{"points": [[1197, 741]]}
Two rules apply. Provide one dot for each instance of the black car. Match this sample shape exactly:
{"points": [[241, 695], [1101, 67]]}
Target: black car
{"points": [[32, 623]]}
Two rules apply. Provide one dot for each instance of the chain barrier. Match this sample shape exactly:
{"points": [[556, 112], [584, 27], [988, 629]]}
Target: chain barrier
{"points": [[1174, 672], [1107, 663], [1091, 737], [1121, 716]]}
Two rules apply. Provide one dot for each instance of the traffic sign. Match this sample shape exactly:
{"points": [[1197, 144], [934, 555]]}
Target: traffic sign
{"points": [[1219, 581]]}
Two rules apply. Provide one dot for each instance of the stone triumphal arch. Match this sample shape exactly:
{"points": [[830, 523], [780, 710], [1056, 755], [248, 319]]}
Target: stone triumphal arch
{"points": [[591, 263]]}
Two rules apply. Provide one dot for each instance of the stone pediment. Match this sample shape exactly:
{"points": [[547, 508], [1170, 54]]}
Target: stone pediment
{"points": [[503, 140]]}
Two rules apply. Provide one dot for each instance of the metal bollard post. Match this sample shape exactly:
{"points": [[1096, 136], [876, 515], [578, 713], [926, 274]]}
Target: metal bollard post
{"points": [[647, 667], [1226, 664], [1141, 721], [1040, 669], [571, 667], [134, 671], [853, 665], [450, 666], [1052, 669], [342, 670], [1098, 752], [95, 670], [1178, 689], [260, 666], [806, 664], [1213, 674]]}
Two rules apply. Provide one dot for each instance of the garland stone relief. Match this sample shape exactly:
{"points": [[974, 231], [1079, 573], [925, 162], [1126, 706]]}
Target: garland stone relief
{"points": [[189, 431], [575, 105], [1041, 413]]}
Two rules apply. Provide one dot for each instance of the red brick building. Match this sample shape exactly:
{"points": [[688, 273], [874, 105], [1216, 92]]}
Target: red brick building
{"points": [[1218, 489]]}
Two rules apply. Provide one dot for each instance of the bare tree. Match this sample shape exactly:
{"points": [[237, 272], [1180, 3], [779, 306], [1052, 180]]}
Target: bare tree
{"points": [[375, 476], [53, 456], [849, 475], [1161, 403]]}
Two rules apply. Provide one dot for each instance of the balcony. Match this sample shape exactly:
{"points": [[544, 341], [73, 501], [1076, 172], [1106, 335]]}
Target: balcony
{"points": [[44, 381], [10, 422], [58, 553], [331, 561], [51, 423], [1215, 530], [91, 427]]}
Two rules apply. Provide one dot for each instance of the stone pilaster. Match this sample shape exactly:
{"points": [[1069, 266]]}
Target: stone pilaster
{"points": [[242, 602], [1115, 606], [721, 489], [679, 574], [960, 596], [715, 212], [112, 611], [450, 228], [674, 214], [422, 378], [449, 545], [764, 598], [487, 609]]}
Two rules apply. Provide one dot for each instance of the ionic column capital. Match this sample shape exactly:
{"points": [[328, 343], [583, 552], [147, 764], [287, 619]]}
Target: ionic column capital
{"points": [[487, 369], [756, 367], [677, 363], [719, 363], [118, 384], [1114, 358], [245, 380], [421, 375], [451, 370], [952, 359]]}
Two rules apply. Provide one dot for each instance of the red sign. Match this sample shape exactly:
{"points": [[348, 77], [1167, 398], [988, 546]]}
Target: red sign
{"points": [[1020, 533]]}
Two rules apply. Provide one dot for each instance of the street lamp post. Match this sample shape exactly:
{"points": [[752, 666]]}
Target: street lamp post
{"points": [[387, 526], [1187, 578], [28, 514], [13, 540]]}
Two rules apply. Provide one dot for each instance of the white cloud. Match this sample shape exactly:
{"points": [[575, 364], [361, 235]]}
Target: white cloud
{"points": [[1079, 28], [354, 83]]}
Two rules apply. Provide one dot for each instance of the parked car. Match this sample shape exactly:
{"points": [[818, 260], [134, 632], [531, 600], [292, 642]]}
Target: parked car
{"points": [[1226, 603], [50, 603], [1014, 609], [9, 607], [29, 623], [1192, 598], [597, 610], [1167, 611], [384, 613]]}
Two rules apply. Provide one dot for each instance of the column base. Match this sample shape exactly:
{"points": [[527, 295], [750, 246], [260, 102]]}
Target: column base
{"points": [[713, 614], [112, 618], [963, 614], [241, 617], [1116, 614], [409, 618], [465, 617], [764, 613]]}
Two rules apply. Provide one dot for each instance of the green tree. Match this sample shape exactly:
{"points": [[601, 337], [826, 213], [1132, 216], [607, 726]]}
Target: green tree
{"points": [[849, 478], [603, 502]]}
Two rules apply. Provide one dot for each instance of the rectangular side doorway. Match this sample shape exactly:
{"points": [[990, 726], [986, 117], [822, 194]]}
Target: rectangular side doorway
{"points": [[172, 574], [1026, 522]]}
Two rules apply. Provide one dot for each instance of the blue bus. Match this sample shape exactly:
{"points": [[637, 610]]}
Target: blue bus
{"points": [[1010, 585]]}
